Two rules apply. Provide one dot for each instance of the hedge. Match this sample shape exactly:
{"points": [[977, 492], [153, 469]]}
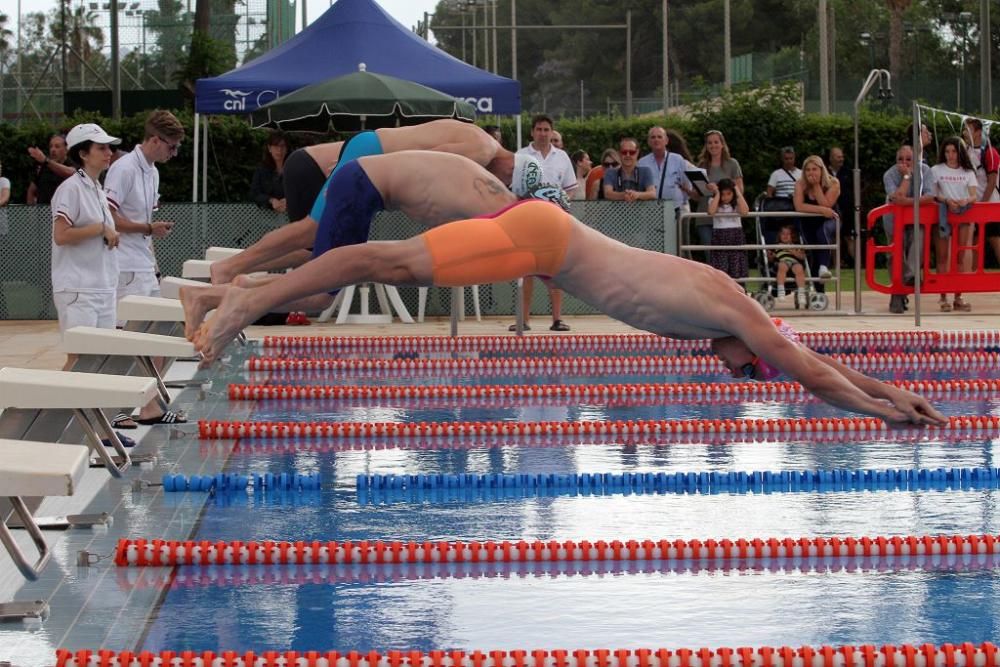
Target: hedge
{"points": [[755, 129]]}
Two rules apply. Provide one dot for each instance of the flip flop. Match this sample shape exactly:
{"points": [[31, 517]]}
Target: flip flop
{"points": [[124, 421], [513, 327], [168, 417], [559, 325], [126, 441]]}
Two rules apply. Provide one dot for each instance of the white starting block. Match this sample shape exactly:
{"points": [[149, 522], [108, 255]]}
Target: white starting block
{"points": [[215, 253], [388, 299], [170, 287], [150, 309], [36, 469], [117, 343], [83, 393], [422, 302], [197, 268]]}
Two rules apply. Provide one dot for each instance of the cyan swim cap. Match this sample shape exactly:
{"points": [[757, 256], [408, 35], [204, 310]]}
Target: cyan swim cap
{"points": [[527, 175], [766, 371]]}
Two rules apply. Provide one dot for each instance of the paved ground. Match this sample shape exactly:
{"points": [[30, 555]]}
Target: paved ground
{"points": [[36, 344]]}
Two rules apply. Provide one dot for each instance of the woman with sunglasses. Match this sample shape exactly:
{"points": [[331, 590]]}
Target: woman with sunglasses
{"points": [[609, 160]]}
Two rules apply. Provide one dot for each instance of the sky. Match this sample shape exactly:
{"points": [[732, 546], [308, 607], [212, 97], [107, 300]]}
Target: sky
{"points": [[407, 12]]}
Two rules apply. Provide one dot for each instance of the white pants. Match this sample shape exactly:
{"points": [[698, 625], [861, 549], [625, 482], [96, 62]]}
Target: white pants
{"points": [[136, 283], [85, 309]]}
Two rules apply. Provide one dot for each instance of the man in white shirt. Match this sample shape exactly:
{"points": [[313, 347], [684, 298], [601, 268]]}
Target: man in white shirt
{"points": [[557, 169], [132, 186], [133, 190]]}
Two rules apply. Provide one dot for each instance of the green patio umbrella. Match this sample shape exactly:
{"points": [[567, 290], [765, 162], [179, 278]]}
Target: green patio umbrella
{"points": [[359, 101]]}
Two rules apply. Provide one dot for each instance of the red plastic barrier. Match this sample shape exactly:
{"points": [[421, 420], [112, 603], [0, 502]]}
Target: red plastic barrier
{"points": [[981, 655], [932, 282]]}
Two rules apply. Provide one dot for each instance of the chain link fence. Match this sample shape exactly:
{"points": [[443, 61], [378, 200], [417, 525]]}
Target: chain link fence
{"points": [[26, 249]]}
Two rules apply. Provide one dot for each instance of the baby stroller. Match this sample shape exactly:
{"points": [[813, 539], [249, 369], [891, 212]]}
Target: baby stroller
{"points": [[766, 230]]}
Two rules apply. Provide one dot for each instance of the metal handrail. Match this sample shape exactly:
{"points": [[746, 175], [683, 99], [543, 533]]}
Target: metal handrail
{"points": [[834, 247]]}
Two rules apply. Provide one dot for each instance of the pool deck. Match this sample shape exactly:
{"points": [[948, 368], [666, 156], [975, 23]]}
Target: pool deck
{"points": [[35, 344]]}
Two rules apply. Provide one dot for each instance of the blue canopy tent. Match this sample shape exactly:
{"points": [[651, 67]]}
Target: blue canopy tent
{"points": [[351, 32]]}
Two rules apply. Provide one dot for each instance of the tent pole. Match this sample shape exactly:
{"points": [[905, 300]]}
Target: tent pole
{"points": [[204, 163], [518, 147], [194, 170]]}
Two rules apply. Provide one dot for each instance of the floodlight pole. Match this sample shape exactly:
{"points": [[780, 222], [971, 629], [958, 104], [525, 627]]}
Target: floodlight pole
{"points": [[116, 81]]}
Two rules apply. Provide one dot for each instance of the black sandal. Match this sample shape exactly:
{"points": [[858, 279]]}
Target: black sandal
{"points": [[124, 421], [513, 327], [559, 325], [168, 417]]}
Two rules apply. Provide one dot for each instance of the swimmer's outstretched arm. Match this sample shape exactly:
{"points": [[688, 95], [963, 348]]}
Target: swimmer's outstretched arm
{"points": [[916, 407]]}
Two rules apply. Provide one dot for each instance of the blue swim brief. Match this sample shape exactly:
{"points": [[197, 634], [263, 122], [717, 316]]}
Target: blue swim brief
{"points": [[360, 145], [351, 203]]}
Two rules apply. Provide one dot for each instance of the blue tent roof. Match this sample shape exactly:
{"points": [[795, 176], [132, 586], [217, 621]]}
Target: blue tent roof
{"points": [[349, 33]]}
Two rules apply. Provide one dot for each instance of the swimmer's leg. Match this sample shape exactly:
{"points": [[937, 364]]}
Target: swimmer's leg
{"points": [[261, 256]]}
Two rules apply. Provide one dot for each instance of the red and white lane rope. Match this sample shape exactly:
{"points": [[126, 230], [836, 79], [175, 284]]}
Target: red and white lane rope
{"points": [[865, 655], [972, 340], [700, 392], [725, 552], [924, 361], [227, 576], [792, 426]]}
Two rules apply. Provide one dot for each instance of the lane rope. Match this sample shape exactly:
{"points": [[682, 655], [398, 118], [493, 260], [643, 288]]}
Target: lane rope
{"points": [[631, 342], [212, 429], [231, 482], [472, 486], [924, 361], [865, 655], [492, 395], [256, 575], [725, 553]]}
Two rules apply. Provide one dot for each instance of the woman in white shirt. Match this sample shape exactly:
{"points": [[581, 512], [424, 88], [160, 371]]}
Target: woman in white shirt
{"points": [[84, 259], [955, 192]]}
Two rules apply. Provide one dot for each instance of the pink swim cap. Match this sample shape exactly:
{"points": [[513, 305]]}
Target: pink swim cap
{"points": [[766, 370]]}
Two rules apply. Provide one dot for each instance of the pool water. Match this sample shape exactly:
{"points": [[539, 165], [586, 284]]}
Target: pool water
{"points": [[578, 605]]}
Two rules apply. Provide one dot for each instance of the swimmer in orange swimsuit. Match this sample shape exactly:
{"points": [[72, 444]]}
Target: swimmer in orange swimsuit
{"points": [[659, 293]]}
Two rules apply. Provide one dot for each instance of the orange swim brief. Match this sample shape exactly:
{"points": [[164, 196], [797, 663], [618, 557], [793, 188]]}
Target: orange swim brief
{"points": [[528, 238]]}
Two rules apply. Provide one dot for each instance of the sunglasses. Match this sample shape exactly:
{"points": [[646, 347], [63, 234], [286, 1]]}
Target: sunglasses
{"points": [[173, 148], [610, 164], [628, 152]]}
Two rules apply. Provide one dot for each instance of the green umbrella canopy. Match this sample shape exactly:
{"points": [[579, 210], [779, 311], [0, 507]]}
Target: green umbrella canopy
{"points": [[362, 100]]}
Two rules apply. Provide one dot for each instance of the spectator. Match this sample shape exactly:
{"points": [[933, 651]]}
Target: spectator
{"points": [[51, 170], [667, 160], [556, 170], [955, 191], [84, 240], [718, 164], [790, 258], [726, 207], [582, 165], [925, 139], [782, 182], [133, 193], [595, 180], [494, 131], [845, 203], [630, 181], [268, 187], [898, 182], [986, 161], [557, 140], [816, 192], [4, 201]]}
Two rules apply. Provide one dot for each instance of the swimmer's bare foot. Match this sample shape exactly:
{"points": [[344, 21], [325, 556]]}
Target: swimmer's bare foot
{"points": [[231, 316], [247, 280], [197, 301], [221, 272]]}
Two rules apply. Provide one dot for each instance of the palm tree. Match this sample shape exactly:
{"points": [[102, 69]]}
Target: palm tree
{"points": [[896, 10]]}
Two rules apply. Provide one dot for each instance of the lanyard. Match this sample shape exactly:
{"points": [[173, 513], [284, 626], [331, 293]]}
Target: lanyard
{"points": [[93, 187]]}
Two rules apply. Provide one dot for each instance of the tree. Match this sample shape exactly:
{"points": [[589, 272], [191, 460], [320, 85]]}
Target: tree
{"points": [[896, 10]]}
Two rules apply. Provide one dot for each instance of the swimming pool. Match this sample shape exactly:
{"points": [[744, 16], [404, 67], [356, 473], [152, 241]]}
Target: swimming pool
{"points": [[568, 603]]}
